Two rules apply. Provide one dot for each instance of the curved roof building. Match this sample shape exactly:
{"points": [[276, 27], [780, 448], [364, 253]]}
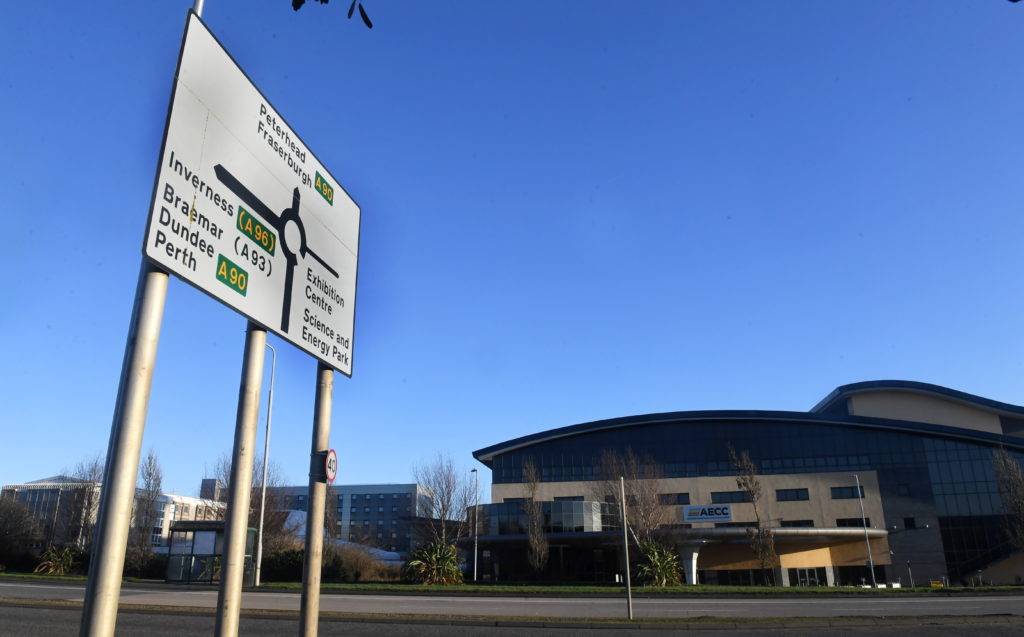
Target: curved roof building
{"points": [[919, 456]]}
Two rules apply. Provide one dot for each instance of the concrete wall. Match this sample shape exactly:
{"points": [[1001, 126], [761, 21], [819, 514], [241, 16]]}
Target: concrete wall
{"points": [[820, 507], [902, 405]]}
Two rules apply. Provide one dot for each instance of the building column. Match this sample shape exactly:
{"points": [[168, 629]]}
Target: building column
{"points": [[782, 576], [689, 553], [830, 575]]}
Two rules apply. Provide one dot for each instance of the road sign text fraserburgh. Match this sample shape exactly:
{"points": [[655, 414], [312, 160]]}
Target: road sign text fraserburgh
{"points": [[244, 211]]}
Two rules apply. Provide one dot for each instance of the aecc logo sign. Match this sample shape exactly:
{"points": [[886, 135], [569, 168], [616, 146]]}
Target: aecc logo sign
{"points": [[717, 513]]}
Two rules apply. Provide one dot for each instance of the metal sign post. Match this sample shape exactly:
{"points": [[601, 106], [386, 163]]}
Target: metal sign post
{"points": [[99, 609], [236, 525], [625, 547], [266, 464], [309, 613]]}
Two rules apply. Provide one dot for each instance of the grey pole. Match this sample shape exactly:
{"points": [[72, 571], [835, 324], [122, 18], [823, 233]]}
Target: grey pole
{"points": [[266, 462], [236, 524], [864, 522], [309, 613], [99, 609], [625, 547], [476, 517]]}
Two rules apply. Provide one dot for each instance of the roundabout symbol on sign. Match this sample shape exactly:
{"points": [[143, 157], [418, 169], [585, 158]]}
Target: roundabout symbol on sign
{"points": [[331, 465]]}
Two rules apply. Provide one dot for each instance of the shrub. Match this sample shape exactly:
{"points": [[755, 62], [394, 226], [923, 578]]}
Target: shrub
{"points": [[56, 560], [282, 566], [659, 565], [434, 563]]}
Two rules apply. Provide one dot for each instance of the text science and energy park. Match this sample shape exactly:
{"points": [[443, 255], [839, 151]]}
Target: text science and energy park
{"points": [[243, 210]]}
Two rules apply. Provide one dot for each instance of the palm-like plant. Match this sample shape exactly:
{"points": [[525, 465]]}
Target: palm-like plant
{"points": [[56, 561], [659, 565], [434, 563]]}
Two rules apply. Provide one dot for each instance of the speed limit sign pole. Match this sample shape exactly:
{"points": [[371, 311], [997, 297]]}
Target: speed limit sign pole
{"points": [[310, 612]]}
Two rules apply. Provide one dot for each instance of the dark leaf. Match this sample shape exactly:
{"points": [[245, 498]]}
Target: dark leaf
{"points": [[351, 8], [366, 18], [297, 4]]}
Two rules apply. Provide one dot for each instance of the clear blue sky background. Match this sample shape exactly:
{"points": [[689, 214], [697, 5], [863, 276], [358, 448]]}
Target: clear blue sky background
{"points": [[571, 211]]}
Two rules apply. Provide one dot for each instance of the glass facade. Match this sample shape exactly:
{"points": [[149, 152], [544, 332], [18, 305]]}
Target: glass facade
{"points": [[954, 475], [562, 516]]}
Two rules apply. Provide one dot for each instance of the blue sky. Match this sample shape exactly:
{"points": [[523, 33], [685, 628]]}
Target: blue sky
{"points": [[570, 211]]}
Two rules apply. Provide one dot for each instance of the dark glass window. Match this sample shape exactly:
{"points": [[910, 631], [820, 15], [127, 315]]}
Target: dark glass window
{"points": [[728, 497], [790, 495], [854, 522], [909, 523], [673, 498], [847, 493], [567, 498], [788, 523]]}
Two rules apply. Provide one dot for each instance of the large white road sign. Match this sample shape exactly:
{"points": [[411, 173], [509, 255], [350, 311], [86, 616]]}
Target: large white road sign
{"points": [[244, 211]]}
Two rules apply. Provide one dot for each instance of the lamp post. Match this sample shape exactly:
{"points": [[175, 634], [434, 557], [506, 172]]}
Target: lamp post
{"points": [[864, 522], [266, 460], [476, 516]]}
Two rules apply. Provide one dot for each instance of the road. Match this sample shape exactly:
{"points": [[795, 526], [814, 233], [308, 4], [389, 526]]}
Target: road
{"points": [[510, 606], [52, 622]]}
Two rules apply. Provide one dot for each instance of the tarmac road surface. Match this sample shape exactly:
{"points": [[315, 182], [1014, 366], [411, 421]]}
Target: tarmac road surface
{"points": [[562, 607]]}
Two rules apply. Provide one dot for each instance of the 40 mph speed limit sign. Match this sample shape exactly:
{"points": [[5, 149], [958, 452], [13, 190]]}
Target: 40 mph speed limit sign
{"points": [[331, 465]]}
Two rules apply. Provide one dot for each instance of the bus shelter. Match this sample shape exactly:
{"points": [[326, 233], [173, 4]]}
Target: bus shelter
{"points": [[196, 550]]}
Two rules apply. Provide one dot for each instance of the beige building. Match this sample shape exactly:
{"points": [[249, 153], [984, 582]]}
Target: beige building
{"points": [[921, 455]]}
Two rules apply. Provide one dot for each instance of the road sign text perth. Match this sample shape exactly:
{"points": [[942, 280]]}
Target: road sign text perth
{"points": [[244, 211]]}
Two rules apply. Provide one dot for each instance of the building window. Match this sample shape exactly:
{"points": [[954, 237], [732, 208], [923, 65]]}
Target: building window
{"points": [[355, 509], [366, 509], [902, 489], [791, 495], [847, 493], [569, 498], [394, 509], [729, 497], [853, 522], [673, 498], [789, 523], [380, 509], [728, 525], [909, 523]]}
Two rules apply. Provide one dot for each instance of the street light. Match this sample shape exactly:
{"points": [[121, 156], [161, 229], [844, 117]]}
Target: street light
{"points": [[476, 516], [864, 522], [266, 459]]}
